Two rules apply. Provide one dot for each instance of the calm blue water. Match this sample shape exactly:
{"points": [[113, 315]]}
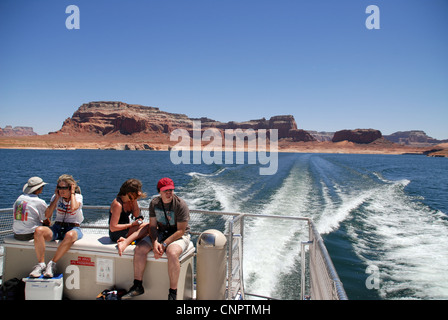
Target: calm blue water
{"points": [[385, 211]]}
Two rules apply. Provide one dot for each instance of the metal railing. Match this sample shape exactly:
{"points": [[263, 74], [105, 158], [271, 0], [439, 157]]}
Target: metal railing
{"points": [[325, 282], [318, 277]]}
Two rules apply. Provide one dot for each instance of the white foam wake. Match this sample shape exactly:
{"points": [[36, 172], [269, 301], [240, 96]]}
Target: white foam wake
{"points": [[272, 246], [407, 241], [214, 174]]}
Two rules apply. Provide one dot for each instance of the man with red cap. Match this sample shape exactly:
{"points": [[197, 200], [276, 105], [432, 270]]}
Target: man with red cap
{"points": [[169, 234]]}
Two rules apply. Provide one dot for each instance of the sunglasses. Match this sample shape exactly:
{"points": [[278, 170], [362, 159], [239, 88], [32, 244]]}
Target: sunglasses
{"points": [[62, 188], [134, 196]]}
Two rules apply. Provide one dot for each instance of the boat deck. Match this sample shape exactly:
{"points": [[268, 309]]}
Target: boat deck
{"points": [[319, 279]]}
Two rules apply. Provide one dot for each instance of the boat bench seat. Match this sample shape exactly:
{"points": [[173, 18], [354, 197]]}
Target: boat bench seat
{"points": [[96, 243], [93, 264]]}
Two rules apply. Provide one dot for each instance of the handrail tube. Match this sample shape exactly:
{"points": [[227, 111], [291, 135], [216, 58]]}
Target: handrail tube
{"points": [[332, 270]]}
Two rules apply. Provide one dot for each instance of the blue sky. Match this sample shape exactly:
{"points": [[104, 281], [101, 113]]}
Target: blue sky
{"points": [[230, 60]]}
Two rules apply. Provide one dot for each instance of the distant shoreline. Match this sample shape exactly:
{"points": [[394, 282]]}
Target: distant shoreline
{"points": [[161, 143]]}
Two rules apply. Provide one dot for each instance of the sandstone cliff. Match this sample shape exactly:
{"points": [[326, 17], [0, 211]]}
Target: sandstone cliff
{"points": [[111, 117], [321, 135], [440, 150], [121, 126], [9, 131], [357, 136], [413, 138], [301, 135], [104, 117]]}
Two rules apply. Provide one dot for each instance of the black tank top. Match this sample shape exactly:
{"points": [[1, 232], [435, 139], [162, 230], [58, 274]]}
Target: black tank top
{"points": [[124, 216]]}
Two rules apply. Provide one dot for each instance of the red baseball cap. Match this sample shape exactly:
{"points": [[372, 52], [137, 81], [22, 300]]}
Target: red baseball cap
{"points": [[165, 184]]}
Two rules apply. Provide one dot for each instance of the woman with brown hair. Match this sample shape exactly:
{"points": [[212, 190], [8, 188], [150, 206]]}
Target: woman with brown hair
{"points": [[121, 229]]}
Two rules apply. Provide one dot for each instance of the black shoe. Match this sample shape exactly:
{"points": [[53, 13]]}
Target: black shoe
{"points": [[133, 292], [172, 295]]}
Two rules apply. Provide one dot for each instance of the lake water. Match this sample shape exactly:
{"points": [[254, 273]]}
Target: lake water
{"points": [[375, 212]]}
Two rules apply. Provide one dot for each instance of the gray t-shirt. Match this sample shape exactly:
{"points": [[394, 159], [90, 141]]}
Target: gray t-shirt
{"points": [[176, 211]]}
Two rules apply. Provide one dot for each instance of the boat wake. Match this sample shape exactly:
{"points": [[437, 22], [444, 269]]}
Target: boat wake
{"points": [[214, 174], [384, 226], [406, 240]]}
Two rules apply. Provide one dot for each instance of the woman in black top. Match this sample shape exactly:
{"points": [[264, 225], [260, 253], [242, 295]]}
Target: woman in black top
{"points": [[121, 229]]}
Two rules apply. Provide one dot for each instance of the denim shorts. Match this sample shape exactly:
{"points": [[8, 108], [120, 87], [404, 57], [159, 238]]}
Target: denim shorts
{"points": [[60, 231]]}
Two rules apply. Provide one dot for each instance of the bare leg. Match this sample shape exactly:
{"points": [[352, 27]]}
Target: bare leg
{"points": [[140, 254], [69, 238], [41, 234], [173, 253], [134, 234]]}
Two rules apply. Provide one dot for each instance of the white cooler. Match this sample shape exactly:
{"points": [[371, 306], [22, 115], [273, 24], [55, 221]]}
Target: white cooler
{"points": [[44, 288]]}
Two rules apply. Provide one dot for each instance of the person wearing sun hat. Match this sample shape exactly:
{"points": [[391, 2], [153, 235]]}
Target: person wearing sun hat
{"points": [[29, 210], [169, 233]]}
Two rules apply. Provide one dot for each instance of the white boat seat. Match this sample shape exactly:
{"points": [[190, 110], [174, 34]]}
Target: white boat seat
{"points": [[98, 243], [84, 275]]}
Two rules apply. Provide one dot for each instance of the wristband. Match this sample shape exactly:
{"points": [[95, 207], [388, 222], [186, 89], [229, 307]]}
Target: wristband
{"points": [[164, 245]]}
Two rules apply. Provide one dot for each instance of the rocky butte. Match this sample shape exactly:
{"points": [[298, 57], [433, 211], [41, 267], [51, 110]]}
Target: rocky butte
{"points": [[357, 136], [122, 126], [9, 131], [105, 118], [119, 125], [109, 118], [416, 138]]}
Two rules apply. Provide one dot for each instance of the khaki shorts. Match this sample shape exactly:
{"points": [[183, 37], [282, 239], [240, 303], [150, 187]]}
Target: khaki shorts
{"points": [[182, 242]]}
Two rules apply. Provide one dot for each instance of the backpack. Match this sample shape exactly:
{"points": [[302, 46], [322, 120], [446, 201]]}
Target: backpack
{"points": [[12, 289], [112, 294]]}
